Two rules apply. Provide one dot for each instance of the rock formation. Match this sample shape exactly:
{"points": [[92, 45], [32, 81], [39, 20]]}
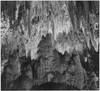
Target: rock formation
{"points": [[46, 43]]}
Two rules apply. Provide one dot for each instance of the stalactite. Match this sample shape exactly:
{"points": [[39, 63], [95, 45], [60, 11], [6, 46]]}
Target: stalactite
{"points": [[45, 31]]}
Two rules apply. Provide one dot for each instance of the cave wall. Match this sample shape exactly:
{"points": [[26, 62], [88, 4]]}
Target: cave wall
{"points": [[51, 32]]}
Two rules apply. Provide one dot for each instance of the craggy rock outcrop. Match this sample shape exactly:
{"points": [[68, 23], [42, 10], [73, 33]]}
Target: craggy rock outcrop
{"points": [[24, 82], [74, 74], [11, 70], [44, 42]]}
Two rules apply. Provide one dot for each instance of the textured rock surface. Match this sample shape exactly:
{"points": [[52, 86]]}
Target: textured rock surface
{"points": [[39, 38]]}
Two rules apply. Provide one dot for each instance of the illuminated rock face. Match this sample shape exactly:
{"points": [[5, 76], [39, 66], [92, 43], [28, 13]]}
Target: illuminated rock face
{"points": [[49, 32], [55, 18]]}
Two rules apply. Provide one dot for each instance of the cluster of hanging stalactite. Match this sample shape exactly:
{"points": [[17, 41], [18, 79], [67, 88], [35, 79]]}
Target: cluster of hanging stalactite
{"points": [[46, 41]]}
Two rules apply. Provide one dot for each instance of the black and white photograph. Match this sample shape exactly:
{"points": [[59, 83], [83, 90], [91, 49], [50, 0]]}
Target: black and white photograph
{"points": [[49, 45]]}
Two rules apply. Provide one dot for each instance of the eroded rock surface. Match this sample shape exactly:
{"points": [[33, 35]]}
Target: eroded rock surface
{"points": [[49, 45]]}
